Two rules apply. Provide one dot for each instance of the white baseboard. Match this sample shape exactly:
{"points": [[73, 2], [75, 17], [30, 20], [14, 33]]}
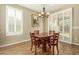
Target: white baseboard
{"points": [[5, 45], [70, 43], [75, 44], [66, 42]]}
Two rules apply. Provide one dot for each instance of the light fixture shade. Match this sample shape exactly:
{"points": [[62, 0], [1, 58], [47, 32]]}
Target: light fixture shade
{"points": [[39, 14], [42, 12], [47, 13]]}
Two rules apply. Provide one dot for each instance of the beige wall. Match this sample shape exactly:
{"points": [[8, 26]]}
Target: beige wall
{"points": [[45, 24], [75, 28], [26, 26]]}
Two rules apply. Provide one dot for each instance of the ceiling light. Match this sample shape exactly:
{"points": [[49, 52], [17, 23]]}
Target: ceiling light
{"points": [[44, 13]]}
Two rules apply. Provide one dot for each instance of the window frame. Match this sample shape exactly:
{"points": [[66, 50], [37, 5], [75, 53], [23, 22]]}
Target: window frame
{"points": [[8, 33]]}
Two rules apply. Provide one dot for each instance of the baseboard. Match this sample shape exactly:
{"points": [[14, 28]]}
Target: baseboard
{"points": [[5, 45], [66, 42], [75, 44], [70, 43], [29, 40]]}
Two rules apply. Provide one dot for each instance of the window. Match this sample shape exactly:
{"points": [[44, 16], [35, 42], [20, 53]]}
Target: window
{"points": [[14, 21]]}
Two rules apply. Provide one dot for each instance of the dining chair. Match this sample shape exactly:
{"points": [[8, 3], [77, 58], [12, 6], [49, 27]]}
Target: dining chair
{"points": [[34, 42], [36, 31], [51, 32], [54, 41]]}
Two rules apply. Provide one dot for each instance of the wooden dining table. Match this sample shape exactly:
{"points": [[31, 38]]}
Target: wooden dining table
{"points": [[44, 37]]}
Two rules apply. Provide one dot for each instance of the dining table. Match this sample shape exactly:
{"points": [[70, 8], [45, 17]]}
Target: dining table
{"points": [[44, 37]]}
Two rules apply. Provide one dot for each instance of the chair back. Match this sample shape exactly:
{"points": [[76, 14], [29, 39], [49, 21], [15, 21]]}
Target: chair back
{"points": [[54, 38], [34, 39], [51, 32], [32, 36], [36, 31]]}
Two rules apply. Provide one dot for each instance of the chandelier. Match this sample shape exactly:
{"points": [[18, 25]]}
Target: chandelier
{"points": [[44, 13]]}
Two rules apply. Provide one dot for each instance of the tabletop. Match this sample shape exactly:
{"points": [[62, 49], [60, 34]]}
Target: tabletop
{"points": [[43, 35]]}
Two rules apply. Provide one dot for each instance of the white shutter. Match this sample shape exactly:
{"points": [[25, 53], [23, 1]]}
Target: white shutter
{"points": [[14, 20]]}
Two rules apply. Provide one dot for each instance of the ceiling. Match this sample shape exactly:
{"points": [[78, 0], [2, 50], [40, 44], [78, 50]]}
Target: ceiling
{"points": [[39, 7]]}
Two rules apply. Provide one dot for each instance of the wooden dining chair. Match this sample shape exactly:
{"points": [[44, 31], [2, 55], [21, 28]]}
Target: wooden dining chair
{"points": [[51, 32], [36, 31], [54, 41], [34, 42]]}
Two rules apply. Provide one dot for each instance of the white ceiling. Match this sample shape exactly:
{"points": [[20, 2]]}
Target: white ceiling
{"points": [[39, 7]]}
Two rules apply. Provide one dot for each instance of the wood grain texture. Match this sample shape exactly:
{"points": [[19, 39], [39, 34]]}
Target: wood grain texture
{"points": [[24, 49]]}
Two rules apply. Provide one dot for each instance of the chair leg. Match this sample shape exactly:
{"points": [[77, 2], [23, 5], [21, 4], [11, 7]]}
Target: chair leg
{"points": [[49, 48], [35, 49], [53, 49], [38, 45], [57, 50], [31, 46]]}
